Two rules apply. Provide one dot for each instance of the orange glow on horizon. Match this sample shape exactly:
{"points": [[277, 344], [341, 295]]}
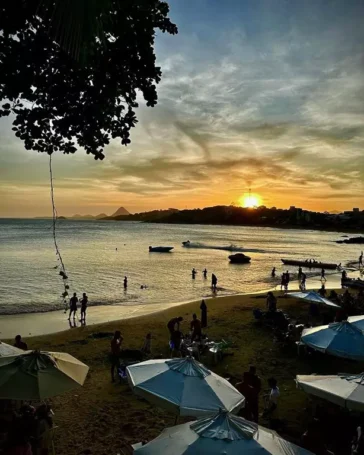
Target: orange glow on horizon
{"points": [[250, 200]]}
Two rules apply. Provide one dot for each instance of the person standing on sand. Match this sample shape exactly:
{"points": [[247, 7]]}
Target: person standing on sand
{"points": [[273, 272], [125, 283], [323, 275], [73, 306], [195, 328], [203, 308], [283, 281], [205, 274], [361, 260], [84, 303], [115, 353], [214, 282], [194, 273], [299, 272], [303, 282]]}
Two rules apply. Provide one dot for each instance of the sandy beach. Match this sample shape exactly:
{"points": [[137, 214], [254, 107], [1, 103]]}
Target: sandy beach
{"points": [[101, 417]]}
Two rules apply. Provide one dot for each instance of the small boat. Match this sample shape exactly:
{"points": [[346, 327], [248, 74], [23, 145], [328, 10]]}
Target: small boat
{"points": [[311, 264], [160, 249], [239, 258], [230, 248], [352, 283]]}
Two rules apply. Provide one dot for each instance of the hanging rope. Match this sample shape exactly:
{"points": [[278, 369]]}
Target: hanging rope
{"points": [[62, 272]]}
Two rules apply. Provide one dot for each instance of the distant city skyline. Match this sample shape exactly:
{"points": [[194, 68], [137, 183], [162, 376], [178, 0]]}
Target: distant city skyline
{"points": [[261, 94]]}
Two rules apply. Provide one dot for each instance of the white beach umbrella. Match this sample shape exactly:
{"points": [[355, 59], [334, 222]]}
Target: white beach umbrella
{"points": [[344, 390], [312, 296], [7, 349], [36, 375], [184, 387], [341, 339], [357, 321], [223, 433]]}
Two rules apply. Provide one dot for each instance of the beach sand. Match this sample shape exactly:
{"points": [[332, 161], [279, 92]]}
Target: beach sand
{"points": [[101, 417]]}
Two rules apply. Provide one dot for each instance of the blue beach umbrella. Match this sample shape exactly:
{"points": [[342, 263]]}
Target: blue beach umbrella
{"points": [[312, 296], [184, 387], [223, 433], [341, 339]]}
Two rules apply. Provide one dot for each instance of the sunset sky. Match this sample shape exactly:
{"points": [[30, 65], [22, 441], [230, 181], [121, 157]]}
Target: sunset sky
{"points": [[267, 94]]}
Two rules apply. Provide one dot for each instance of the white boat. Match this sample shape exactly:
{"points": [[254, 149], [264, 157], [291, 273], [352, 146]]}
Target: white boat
{"points": [[160, 249], [231, 248]]}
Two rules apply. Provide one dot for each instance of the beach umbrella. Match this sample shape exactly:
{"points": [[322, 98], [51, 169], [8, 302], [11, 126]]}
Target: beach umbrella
{"points": [[342, 339], [7, 349], [357, 321], [314, 297], [184, 387], [343, 389], [223, 433], [36, 375]]}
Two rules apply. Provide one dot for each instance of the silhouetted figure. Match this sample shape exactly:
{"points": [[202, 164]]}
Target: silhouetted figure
{"points": [[323, 275], [19, 343], [84, 303], [255, 381], [214, 282], [147, 346], [195, 328], [303, 282], [246, 389], [205, 274], [361, 259], [273, 272], [344, 277], [194, 273], [299, 273], [203, 308], [73, 306], [283, 281], [115, 353], [322, 291], [271, 302], [125, 282], [173, 323]]}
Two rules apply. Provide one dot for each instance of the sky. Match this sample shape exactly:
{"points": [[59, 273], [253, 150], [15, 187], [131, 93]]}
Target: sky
{"points": [[260, 94]]}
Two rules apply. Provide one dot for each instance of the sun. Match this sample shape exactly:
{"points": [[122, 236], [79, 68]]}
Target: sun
{"points": [[250, 200]]}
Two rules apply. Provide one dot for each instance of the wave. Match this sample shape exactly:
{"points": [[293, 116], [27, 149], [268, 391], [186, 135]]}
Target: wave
{"points": [[41, 307]]}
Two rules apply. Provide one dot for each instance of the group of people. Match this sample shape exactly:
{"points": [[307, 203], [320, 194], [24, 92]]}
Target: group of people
{"points": [[250, 387], [204, 273], [29, 431], [73, 306], [196, 326]]}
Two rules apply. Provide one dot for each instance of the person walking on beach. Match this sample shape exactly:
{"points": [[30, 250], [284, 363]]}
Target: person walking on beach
{"points": [[273, 272], [73, 306], [361, 260], [214, 282], [203, 308], [323, 275], [205, 274], [84, 303], [125, 283], [115, 353], [283, 281], [194, 273]]}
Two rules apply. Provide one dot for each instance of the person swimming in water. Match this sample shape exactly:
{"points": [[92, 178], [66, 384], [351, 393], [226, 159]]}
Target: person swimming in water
{"points": [[125, 282], [194, 271], [205, 274]]}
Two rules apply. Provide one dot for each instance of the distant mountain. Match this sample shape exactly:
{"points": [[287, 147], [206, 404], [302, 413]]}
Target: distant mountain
{"points": [[99, 217], [121, 211]]}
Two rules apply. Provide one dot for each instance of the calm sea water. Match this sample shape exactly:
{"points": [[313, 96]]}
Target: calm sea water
{"points": [[29, 282]]}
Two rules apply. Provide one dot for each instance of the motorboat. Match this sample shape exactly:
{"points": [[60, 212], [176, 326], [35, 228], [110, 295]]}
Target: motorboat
{"points": [[160, 249], [231, 248], [311, 264], [239, 258]]}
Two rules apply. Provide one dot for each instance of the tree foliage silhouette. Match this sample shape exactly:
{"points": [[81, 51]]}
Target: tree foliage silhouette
{"points": [[77, 84]]}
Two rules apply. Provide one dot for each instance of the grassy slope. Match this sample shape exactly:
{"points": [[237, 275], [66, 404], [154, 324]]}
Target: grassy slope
{"points": [[102, 416]]}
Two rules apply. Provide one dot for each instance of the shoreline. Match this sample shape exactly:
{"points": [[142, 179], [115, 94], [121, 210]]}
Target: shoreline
{"points": [[51, 322]]}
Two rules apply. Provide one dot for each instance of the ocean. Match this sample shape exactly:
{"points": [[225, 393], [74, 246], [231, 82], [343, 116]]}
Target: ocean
{"points": [[30, 283]]}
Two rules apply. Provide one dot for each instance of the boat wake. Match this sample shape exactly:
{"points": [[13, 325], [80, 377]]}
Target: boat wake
{"points": [[189, 244]]}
